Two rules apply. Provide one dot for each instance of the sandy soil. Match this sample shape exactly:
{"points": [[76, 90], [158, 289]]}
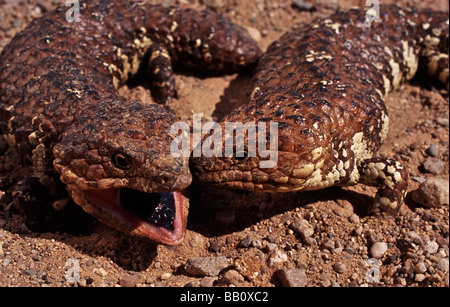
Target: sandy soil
{"points": [[256, 232]]}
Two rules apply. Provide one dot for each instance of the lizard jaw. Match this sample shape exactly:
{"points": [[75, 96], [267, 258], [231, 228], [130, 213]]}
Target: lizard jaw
{"points": [[160, 217]]}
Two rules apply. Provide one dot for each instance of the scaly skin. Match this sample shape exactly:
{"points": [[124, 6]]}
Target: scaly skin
{"points": [[60, 108], [325, 84]]}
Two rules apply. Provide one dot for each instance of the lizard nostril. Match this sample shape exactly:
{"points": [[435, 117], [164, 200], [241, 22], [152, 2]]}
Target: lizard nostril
{"points": [[164, 179]]}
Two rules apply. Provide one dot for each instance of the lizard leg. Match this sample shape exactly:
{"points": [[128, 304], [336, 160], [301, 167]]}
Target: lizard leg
{"points": [[45, 206], [390, 177], [161, 71], [435, 49]]}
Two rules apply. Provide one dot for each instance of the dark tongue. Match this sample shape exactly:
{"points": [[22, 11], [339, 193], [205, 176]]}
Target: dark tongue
{"points": [[156, 208]]}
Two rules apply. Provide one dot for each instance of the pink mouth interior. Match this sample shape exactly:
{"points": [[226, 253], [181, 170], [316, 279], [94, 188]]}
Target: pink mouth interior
{"points": [[159, 216]]}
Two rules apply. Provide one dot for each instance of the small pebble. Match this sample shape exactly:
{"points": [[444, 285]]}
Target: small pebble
{"points": [[206, 266], [100, 272], [215, 246], [378, 249], [292, 277], [433, 166], [354, 219], [193, 284], [254, 33], [329, 245], [419, 277], [340, 267], [442, 265], [303, 6], [277, 257], [233, 277], [17, 23], [431, 247], [207, 281], [270, 247], [257, 244], [432, 151], [30, 272], [420, 267], [309, 241], [166, 276], [213, 4], [435, 278], [303, 228], [246, 242], [128, 281], [432, 193]]}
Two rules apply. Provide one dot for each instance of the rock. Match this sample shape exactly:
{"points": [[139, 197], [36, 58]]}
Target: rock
{"points": [[128, 281], [433, 166], [340, 267], [30, 272], [329, 244], [100, 271], [232, 277], [254, 33], [354, 219], [270, 247], [292, 277], [166, 276], [443, 121], [213, 4], [434, 192], [257, 243], [419, 277], [442, 265], [431, 247], [310, 241], [432, 151], [420, 267], [303, 228], [277, 257], [207, 281], [215, 246], [246, 242], [303, 6], [435, 278], [206, 266], [378, 249]]}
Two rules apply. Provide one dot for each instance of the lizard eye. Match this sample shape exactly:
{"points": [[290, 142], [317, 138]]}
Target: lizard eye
{"points": [[121, 161]]}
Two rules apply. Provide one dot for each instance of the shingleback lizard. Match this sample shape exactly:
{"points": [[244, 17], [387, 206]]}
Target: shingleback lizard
{"points": [[325, 83], [60, 109]]}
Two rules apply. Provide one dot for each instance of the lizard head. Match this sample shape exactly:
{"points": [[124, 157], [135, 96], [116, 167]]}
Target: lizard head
{"points": [[271, 144], [116, 163]]}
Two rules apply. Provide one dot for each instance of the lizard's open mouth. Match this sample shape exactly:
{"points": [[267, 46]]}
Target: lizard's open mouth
{"points": [[158, 216]]}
